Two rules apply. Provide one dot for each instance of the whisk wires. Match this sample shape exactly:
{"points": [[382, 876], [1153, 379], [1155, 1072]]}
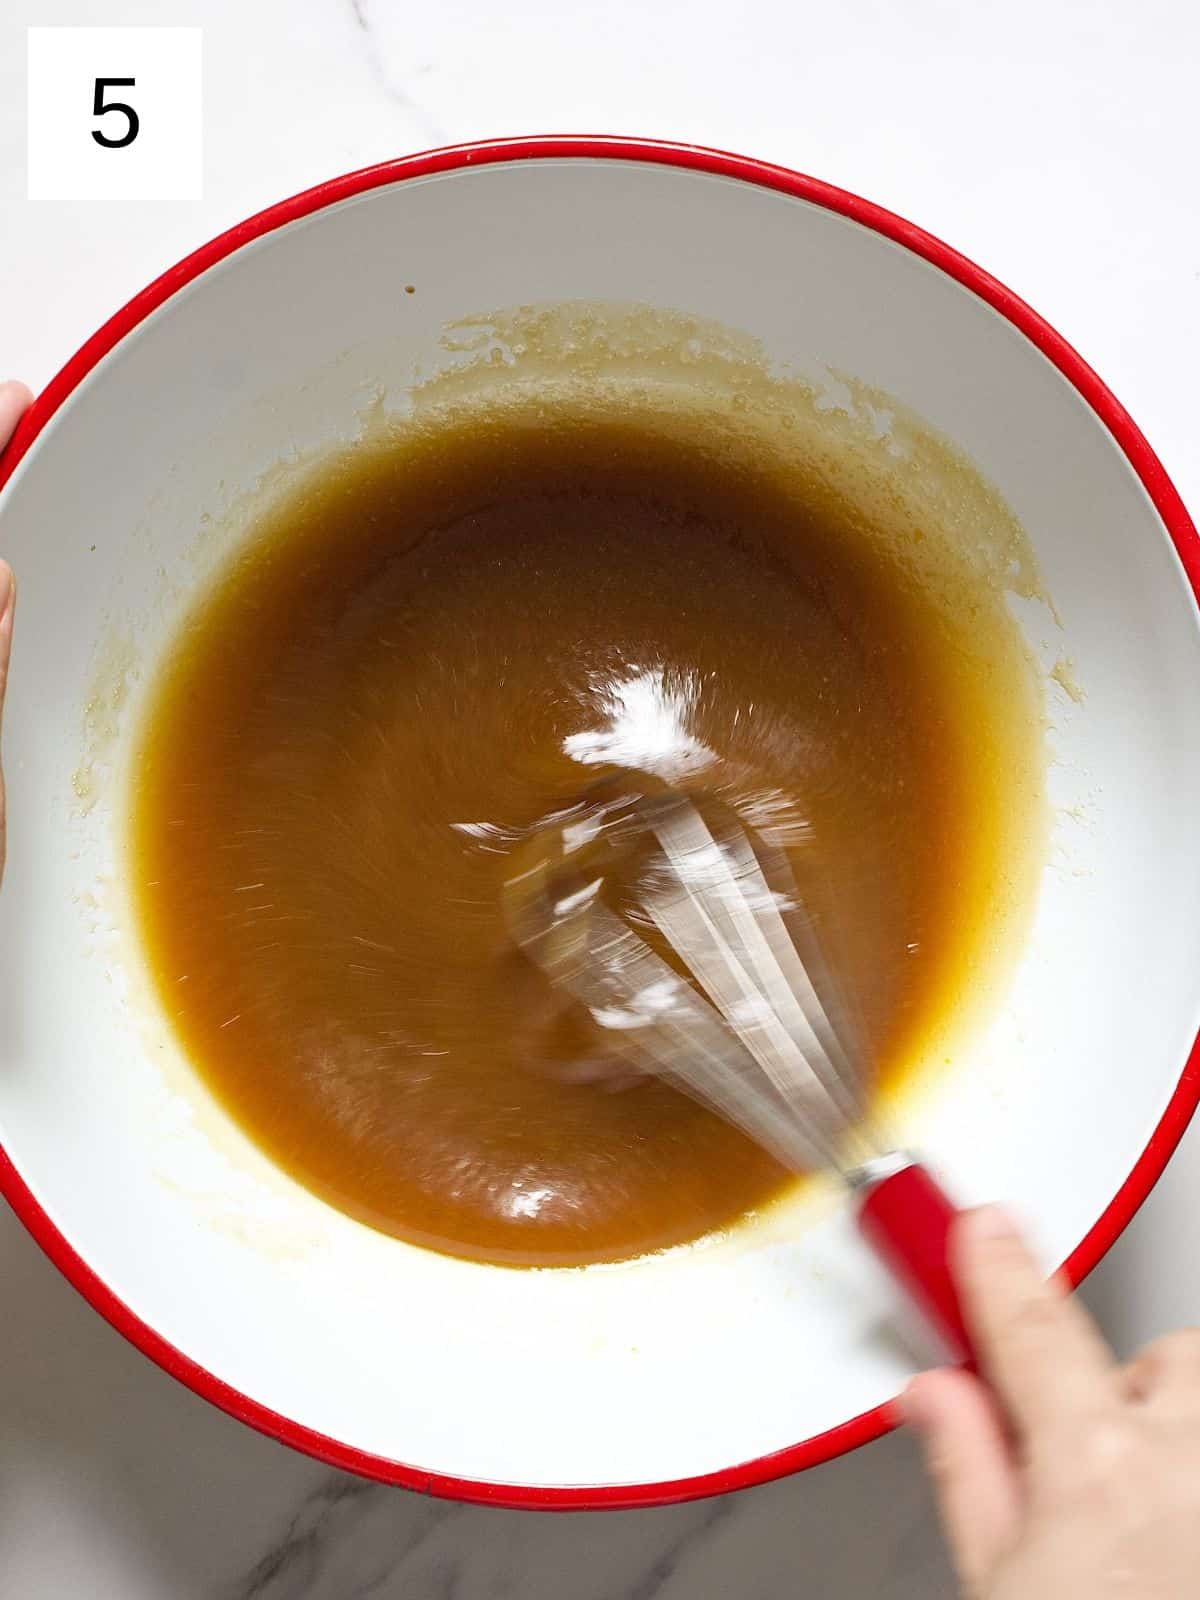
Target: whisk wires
{"points": [[757, 1044]]}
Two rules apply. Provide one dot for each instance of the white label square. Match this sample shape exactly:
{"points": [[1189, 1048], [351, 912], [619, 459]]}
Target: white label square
{"points": [[96, 135]]}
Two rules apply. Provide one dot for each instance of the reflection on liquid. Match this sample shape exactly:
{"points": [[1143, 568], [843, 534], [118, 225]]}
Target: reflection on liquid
{"points": [[646, 725]]}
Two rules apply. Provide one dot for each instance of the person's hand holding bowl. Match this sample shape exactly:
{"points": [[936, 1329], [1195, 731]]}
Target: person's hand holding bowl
{"points": [[14, 397]]}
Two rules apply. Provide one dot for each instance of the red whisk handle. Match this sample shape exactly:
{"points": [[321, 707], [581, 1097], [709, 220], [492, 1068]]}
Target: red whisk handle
{"points": [[906, 1217]]}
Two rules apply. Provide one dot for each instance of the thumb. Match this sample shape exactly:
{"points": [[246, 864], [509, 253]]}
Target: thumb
{"points": [[14, 400], [8, 600], [975, 1479]]}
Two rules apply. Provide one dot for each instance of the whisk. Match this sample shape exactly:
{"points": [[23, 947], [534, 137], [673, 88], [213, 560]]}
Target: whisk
{"points": [[734, 1003]]}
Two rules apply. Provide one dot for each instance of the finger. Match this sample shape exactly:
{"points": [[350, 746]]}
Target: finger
{"points": [[969, 1461], [14, 399], [1168, 1366], [8, 594], [1037, 1346], [8, 601]]}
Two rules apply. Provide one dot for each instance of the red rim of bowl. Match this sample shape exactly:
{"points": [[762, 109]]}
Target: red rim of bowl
{"points": [[1149, 1166]]}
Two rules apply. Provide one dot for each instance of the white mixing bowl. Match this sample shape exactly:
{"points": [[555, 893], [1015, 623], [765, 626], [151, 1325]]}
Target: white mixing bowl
{"points": [[703, 1369]]}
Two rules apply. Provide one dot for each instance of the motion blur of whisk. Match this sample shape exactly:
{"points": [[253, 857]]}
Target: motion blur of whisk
{"points": [[682, 931], [683, 934]]}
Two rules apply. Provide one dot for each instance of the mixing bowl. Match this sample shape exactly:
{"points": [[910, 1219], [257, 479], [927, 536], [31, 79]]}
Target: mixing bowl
{"points": [[705, 1368]]}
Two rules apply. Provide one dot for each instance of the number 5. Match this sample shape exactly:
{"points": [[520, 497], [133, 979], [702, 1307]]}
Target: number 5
{"points": [[99, 108]]}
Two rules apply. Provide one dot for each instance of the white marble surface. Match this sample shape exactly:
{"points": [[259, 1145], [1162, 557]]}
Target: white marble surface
{"points": [[1054, 142]]}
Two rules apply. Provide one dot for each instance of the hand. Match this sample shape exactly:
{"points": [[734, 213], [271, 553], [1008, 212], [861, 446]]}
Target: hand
{"points": [[14, 397], [1070, 1478]]}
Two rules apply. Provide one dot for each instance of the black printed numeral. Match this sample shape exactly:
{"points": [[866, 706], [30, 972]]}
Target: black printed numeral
{"points": [[104, 108]]}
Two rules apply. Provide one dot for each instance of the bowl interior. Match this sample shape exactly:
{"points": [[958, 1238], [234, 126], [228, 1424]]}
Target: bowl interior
{"points": [[674, 1366]]}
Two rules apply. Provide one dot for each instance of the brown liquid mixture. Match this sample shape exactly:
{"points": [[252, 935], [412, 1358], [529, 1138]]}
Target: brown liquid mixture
{"points": [[437, 641]]}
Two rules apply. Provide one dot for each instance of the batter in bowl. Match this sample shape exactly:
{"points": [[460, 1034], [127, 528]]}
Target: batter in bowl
{"points": [[435, 641]]}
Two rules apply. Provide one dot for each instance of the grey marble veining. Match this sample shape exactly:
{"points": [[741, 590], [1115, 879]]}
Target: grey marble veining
{"points": [[397, 74], [806, 1537]]}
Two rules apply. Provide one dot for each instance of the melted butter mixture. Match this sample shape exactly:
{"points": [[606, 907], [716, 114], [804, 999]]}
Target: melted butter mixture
{"points": [[462, 625]]}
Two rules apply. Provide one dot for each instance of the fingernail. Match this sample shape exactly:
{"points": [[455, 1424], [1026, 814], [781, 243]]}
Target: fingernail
{"points": [[908, 1404], [991, 1224], [913, 1408]]}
